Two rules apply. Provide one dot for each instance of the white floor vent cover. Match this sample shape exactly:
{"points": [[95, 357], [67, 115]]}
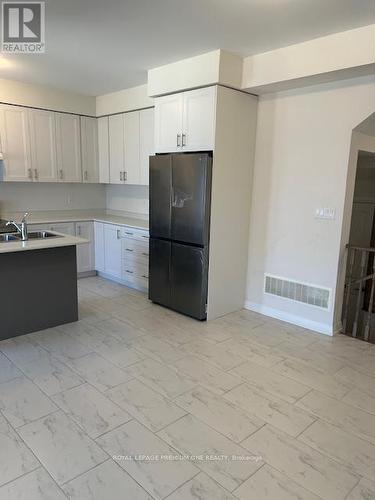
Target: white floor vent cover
{"points": [[299, 292]]}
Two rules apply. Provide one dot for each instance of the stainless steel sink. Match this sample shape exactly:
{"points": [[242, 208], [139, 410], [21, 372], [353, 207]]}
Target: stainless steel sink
{"points": [[33, 235], [8, 237], [41, 235]]}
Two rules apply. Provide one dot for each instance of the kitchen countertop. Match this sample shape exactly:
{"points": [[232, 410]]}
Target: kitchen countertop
{"points": [[22, 246], [118, 218]]}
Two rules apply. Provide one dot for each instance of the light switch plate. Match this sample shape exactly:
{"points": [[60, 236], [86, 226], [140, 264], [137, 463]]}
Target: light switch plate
{"points": [[326, 213]]}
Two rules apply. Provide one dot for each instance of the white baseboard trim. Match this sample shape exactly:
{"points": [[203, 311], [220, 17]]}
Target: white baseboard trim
{"points": [[290, 318]]}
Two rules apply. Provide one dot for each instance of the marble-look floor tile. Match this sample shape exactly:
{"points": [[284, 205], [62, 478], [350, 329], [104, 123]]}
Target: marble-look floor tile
{"points": [[21, 350], [207, 375], [159, 477], [103, 287], [311, 377], [215, 354], [99, 372], [149, 407], [266, 334], [120, 329], [8, 370], [307, 467], [119, 353], [201, 487], [342, 415], [191, 437], [15, 458], [266, 380], [219, 414], [92, 315], [50, 374], [365, 490], [356, 397], [21, 402], [154, 348], [91, 410], [61, 446], [60, 344], [324, 362], [252, 352], [271, 409], [176, 336], [106, 481], [350, 376], [356, 453], [270, 484], [36, 485], [161, 378]]}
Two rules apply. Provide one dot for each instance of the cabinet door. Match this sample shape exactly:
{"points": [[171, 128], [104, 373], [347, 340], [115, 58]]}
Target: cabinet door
{"points": [[85, 252], [15, 144], [112, 250], [68, 139], [199, 119], [168, 123], [64, 228], [103, 147], [89, 147], [99, 246], [131, 148], [43, 145], [116, 149], [146, 143]]}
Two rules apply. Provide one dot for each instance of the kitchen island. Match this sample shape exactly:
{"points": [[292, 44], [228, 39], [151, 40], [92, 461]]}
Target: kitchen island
{"points": [[38, 283]]}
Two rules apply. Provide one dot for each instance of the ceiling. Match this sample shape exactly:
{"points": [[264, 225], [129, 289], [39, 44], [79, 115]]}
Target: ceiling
{"points": [[96, 46]]}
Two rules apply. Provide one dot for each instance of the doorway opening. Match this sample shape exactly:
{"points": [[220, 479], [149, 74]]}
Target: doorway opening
{"points": [[358, 313]]}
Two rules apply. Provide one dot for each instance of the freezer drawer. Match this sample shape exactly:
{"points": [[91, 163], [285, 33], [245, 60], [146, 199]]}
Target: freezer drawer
{"points": [[188, 280], [159, 272]]}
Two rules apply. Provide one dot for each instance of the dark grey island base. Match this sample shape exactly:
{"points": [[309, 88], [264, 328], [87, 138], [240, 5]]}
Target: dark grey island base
{"points": [[38, 290]]}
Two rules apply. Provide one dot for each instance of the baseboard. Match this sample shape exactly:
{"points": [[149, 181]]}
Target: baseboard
{"points": [[86, 274], [128, 284], [290, 318]]}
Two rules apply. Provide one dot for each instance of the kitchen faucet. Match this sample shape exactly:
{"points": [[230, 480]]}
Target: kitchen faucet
{"points": [[21, 228]]}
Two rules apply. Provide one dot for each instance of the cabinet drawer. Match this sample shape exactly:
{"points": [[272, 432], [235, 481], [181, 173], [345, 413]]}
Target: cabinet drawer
{"points": [[135, 234], [134, 270], [135, 249]]}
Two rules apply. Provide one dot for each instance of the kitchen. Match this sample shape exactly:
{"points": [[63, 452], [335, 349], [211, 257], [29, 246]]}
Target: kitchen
{"points": [[173, 222]]}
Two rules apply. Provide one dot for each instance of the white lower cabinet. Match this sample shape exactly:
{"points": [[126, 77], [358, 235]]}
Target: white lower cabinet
{"points": [[85, 252], [99, 246], [112, 250]]}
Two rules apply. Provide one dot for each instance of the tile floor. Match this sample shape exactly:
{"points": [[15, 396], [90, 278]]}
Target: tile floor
{"points": [[252, 408]]}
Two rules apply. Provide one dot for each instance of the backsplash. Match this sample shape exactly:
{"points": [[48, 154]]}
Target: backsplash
{"points": [[22, 196], [127, 198]]}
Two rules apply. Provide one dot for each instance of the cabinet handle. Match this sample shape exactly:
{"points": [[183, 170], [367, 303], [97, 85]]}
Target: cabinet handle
{"points": [[129, 272], [183, 140], [144, 253], [130, 234], [144, 276], [118, 234], [79, 230], [178, 140], [147, 237], [61, 174], [85, 175], [125, 176], [30, 174], [128, 249], [36, 173], [121, 176]]}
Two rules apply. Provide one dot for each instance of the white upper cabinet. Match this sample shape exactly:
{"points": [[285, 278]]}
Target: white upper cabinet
{"points": [[43, 145], [116, 149], [103, 149], [185, 121], [147, 143], [168, 123], [68, 139], [89, 148], [131, 148], [198, 120], [15, 144]]}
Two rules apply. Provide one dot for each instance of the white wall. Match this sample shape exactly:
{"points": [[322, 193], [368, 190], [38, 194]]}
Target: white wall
{"points": [[39, 96], [301, 163], [124, 100], [20, 196], [127, 198]]}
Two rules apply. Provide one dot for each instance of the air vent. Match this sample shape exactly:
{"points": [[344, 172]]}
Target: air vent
{"points": [[297, 291]]}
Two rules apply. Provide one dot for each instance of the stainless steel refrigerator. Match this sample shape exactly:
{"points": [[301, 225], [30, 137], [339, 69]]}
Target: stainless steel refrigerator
{"points": [[180, 199]]}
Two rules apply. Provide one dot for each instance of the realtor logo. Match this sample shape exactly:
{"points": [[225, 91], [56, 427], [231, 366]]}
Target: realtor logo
{"points": [[23, 27]]}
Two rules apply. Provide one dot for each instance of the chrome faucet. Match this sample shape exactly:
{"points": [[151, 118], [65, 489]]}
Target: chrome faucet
{"points": [[21, 228]]}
